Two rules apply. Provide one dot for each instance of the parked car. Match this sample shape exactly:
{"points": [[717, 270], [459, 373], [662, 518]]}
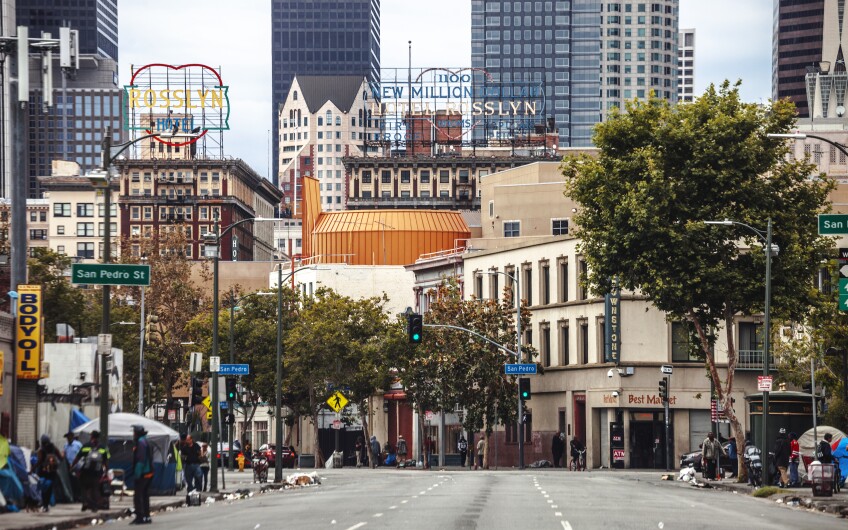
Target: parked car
{"points": [[695, 458], [269, 452], [224, 453]]}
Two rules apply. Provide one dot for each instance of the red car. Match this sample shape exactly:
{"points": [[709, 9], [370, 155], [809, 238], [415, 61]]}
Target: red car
{"points": [[269, 451]]}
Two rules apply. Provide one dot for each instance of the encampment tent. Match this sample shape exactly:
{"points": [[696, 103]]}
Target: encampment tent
{"points": [[161, 438], [808, 447]]}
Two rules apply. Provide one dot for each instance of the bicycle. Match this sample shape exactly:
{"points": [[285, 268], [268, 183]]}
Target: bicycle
{"points": [[578, 463]]}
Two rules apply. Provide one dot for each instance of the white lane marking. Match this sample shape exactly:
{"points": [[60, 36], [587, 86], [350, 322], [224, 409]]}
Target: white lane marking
{"points": [[566, 525], [404, 501], [415, 496], [554, 506], [392, 507], [558, 514], [358, 525], [546, 495], [378, 515], [550, 501]]}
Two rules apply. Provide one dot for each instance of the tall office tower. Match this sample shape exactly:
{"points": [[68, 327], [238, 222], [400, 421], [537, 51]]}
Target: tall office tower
{"points": [[686, 66], [72, 128], [799, 27], [97, 22], [589, 56], [321, 38], [827, 80]]}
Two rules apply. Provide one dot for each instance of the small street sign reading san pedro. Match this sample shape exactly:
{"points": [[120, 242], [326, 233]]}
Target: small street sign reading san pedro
{"points": [[520, 368], [109, 274], [234, 369]]}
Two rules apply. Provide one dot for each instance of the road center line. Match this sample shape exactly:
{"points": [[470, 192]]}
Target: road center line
{"points": [[358, 525]]}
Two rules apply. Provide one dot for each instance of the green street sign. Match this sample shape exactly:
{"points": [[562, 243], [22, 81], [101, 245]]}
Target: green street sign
{"points": [[843, 302], [109, 274], [833, 224]]}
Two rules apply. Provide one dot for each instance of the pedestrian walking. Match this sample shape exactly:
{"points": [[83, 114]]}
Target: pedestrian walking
{"points": [[142, 472], [204, 466], [71, 450], [711, 449], [824, 452], [576, 448], [359, 450], [47, 468], [462, 447], [375, 452], [481, 447], [190, 451], [782, 453], [401, 449], [794, 460], [557, 448], [93, 460]]}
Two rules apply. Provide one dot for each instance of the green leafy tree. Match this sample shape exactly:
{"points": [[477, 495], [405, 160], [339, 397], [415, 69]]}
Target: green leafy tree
{"points": [[335, 343], [663, 170], [63, 302], [453, 369]]}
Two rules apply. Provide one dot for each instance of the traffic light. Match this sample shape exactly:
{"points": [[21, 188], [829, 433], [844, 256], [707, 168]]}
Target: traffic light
{"points": [[415, 328], [231, 389], [196, 391], [151, 329], [663, 388], [524, 388]]}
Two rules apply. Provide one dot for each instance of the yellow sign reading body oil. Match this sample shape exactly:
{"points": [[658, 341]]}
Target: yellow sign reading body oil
{"points": [[28, 328]]}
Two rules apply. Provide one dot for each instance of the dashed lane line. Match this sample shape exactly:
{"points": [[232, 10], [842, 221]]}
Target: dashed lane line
{"points": [[357, 525]]}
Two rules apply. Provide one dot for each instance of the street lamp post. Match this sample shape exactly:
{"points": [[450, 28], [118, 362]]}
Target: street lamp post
{"points": [[230, 405], [769, 248], [212, 250], [804, 136], [141, 353], [278, 383], [520, 416], [102, 180]]}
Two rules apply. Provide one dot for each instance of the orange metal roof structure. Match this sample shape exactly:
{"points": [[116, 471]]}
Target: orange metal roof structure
{"points": [[376, 237]]}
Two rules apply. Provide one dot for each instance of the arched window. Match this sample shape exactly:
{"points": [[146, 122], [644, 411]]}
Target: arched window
{"points": [[329, 118], [364, 94]]}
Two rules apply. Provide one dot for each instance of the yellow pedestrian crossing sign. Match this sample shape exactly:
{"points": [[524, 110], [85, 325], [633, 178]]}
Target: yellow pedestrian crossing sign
{"points": [[207, 402], [337, 401]]}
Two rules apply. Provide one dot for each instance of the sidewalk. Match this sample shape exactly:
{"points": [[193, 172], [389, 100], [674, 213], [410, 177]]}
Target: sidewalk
{"points": [[69, 515], [792, 497]]}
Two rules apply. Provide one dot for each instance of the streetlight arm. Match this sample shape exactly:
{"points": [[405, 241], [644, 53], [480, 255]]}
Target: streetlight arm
{"points": [[803, 136], [728, 222], [124, 147]]}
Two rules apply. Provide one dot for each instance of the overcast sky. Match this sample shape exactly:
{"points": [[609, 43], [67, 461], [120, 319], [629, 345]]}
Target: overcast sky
{"points": [[733, 41]]}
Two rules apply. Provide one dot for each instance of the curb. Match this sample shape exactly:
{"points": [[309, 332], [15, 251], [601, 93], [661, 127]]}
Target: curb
{"points": [[790, 500]]}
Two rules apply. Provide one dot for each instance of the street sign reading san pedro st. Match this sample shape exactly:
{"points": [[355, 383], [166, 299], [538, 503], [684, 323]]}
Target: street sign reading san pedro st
{"points": [[833, 224], [109, 274]]}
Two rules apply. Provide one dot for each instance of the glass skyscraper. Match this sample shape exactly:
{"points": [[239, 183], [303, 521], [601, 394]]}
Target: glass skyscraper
{"points": [[321, 37], [96, 21], [588, 55]]}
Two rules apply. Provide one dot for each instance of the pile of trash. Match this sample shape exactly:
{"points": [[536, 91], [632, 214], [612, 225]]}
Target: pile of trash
{"points": [[687, 474], [303, 479]]}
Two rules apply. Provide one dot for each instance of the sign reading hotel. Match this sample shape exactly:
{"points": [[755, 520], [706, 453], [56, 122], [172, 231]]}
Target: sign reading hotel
{"points": [[28, 329], [443, 107], [190, 97]]}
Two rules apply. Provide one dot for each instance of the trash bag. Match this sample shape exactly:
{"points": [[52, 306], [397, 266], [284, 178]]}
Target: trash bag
{"points": [[541, 463], [391, 459]]}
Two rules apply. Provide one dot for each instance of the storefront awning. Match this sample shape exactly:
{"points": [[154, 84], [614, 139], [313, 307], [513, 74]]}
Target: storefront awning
{"points": [[397, 395]]}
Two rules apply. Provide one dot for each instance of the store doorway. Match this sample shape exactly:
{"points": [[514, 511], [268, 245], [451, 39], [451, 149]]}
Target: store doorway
{"points": [[647, 440]]}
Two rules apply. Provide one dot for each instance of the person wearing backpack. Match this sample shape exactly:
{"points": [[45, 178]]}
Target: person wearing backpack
{"points": [[94, 461], [142, 472], [47, 467]]}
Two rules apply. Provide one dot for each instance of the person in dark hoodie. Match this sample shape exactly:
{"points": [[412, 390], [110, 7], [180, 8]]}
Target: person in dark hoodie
{"points": [[47, 467], [782, 452], [375, 452]]}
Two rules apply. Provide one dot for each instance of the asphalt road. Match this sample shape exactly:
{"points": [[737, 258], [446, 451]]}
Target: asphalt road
{"points": [[350, 499]]}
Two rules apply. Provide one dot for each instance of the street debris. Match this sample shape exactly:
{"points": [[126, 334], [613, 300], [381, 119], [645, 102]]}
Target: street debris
{"points": [[303, 479]]}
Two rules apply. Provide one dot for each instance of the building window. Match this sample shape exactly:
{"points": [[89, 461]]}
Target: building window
{"points": [[366, 177], [682, 347], [62, 209], [545, 343], [562, 280], [37, 234], [510, 284], [512, 228], [85, 229], [564, 357], [559, 227], [85, 209], [478, 285], [424, 176], [386, 177], [512, 430], [544, 283], [494, 292], [527, 283], [444, 176], [583, 341], [60, 230], [581, 279], [404, 176], [85, 250]]}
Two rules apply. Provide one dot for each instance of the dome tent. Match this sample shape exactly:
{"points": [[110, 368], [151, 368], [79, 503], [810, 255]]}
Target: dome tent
{"points": [[161, 438]]}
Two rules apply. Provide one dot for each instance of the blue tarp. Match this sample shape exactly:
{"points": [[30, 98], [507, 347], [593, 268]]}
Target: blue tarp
{"points": [[841, 451], [77, 419]]}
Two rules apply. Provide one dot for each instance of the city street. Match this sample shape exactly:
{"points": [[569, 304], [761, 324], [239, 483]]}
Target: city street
{"points": [[363, 498]]}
